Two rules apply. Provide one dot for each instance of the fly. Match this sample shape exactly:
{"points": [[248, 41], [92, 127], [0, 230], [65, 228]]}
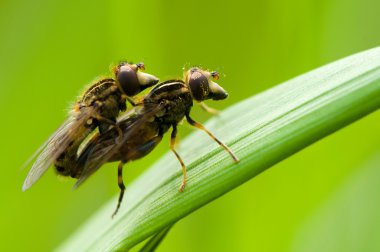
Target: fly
{"points": [[98, 107]]}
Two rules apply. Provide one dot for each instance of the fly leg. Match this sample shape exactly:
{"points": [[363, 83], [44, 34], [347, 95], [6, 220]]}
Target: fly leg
{"points": [[121, 186], [201, 127], [131, 101], [172, 143], [102, 129], [209, 109], [137, 153], [106, 122]]}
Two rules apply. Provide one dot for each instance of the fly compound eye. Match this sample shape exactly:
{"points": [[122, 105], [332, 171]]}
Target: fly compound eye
{"points": [[215, 75], [202, 87], [140, 66], [118, 68], [127, 79], [199, 84]]}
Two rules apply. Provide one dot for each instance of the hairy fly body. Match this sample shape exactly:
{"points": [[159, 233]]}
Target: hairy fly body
{"points": [[98, 107]]}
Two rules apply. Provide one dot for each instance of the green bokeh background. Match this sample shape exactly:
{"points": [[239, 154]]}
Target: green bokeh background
{"points": [[322, 199]]}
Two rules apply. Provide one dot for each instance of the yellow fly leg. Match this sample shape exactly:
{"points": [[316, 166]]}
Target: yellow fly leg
{"points": [[209, 109], [201, 127], [172, 145]]}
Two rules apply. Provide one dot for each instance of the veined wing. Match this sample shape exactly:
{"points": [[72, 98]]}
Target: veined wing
{"points": [[56, 144], [101, 148]]}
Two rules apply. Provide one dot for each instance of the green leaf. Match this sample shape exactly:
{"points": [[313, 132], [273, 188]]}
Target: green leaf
{"points": [[153, 242], [262, 131]]}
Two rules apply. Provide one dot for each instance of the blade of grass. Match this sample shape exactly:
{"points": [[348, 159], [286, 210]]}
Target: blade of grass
{"points": [[262, 130], [153, 242]]}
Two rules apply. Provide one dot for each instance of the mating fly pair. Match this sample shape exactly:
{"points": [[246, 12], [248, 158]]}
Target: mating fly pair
{"points": [[138, 131]]}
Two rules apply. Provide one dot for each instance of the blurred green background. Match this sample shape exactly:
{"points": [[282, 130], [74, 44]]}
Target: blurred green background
{"points": [[325, 198]]}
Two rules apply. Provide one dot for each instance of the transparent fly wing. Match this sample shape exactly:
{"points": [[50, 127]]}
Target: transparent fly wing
{"points": [[56, 144], [35, 154], [101, 148]]}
